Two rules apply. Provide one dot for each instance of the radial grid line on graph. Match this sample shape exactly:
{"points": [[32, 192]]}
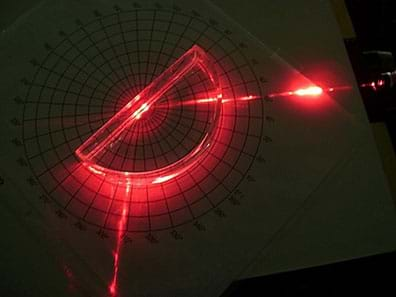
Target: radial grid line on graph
{"points": [[94, 65], [180, 188], [101, 53], [162, 45], [117, 56], [176, 180], [130, 67], [149, 47], [161, 185], [68, 78]]}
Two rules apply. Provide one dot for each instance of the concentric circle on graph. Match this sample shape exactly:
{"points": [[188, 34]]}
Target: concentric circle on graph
{"points": [[93, 72]]}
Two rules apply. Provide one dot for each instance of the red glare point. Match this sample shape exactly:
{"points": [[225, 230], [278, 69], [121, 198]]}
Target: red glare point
{"points": [[310, 91], [140, 111]]}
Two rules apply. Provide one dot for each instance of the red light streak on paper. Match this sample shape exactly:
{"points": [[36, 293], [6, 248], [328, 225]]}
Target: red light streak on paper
{"points": [[196, 101], [308, 92], [116, 253]]}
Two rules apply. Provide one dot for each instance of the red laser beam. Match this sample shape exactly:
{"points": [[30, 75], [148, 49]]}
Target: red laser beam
{"points": [[111, 131], [195, 101], [309, 92], [116, 252]]}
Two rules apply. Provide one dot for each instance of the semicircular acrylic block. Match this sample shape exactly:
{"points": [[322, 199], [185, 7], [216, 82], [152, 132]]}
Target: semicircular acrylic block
{"points": [[193, 62]]}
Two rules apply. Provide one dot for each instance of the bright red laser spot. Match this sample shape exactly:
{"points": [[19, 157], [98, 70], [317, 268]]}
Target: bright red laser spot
{"points": [[310, 91], [162, 179], [142, 109], [95, 170], [110, 132]]}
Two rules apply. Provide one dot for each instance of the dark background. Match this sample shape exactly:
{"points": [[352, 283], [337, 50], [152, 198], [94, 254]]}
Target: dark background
{"points": [[375, 27], [374, 23]]}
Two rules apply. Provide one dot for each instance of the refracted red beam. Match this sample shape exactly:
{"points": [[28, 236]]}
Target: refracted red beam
{"points": [[116, 252]]}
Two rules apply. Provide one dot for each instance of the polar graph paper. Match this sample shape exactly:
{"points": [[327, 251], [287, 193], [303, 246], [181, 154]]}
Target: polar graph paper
{"points": [[188, 135]]}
